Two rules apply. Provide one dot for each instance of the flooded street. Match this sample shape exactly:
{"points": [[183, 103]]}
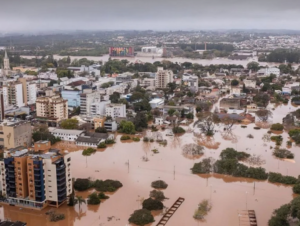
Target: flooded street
{"points": [[228, 194]]}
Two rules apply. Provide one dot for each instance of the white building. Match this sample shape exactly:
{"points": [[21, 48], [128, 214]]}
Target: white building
{"points": [[250, 83], [6, 66], [110, 125], [115, 110], [148, 82], [86, 99], [66, 134], [163, 77], [156, 102], [269, 71], [235, 90], [98, 108], [31, 93], [191, 81]]}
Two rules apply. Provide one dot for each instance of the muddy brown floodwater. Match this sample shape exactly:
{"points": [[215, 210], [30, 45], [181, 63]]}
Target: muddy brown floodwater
{"points": [[227, 194]]}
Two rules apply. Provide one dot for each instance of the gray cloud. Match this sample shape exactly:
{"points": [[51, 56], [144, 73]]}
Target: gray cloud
{"points": [[28, 15]]}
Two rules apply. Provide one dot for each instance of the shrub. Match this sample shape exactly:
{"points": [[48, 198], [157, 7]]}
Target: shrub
{"points": [[125, 137], [203, 208], [289, 143], [257, 128], [244, 127], [110, 141], [230, 153], [283, 153], [250, 136], [152, 204], [157, 195], [279, 178], [101, 195], [277, 139], [178, 129], [159, 184], [153, 128], [82, 184], [136, 139], [155, 151], [203, 167], [54, 217], [146, 139], [93, 199], [151, 140], [277, 127], [295, 135], [296, 188], [107, 185], [88, 151], [102, 145], [141, 217]]}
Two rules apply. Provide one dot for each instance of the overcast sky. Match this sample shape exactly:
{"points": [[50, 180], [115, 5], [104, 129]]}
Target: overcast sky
{"points": [[32, 15]]}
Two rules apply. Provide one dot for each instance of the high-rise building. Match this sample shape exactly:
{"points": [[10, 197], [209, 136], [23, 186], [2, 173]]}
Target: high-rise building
{"points": [[86, 100], [53, 108], [15, 133], [115, 110], [13, 94], [35, 180], [163, 77], [31, 92]]}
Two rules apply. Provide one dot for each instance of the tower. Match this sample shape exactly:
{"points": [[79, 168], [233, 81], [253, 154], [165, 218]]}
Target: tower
{"points": [[6, 64]]}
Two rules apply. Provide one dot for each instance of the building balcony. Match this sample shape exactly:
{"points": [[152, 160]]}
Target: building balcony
{"points": [[60, 173], [63, 189]]}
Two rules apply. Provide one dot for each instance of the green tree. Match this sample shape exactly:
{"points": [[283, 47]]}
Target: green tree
{"points": [[152, 204], [127, 127], [115, 97], [254, 66], [101, 130], [94, 199], [140, 121], [234, 82], [69, 124], [141, 217], [171, 86]]}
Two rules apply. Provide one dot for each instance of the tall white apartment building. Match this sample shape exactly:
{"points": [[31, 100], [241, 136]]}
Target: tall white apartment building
{"points": [[31, 93], [52, 107], [86, 99], [163, 77], [115, 110]]}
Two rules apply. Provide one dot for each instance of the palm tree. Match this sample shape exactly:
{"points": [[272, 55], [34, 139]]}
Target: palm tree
{"points": [[80, 200]]}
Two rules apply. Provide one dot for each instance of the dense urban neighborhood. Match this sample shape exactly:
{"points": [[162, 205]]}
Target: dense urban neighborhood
{"points": [[207, 123]]}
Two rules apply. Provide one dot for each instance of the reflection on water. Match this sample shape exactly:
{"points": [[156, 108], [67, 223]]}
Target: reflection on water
{"points": [[123, 162]]}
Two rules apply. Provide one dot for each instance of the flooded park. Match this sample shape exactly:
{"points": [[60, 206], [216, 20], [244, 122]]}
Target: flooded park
{"points": [[136, 166]]}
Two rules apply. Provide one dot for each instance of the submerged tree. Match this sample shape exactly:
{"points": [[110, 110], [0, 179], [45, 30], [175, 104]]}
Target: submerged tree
{"points": [[264, 115], [192, 151], [206, 123]]}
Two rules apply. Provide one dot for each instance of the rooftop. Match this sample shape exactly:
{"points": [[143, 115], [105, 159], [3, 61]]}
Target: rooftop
{"points": [[65, 131]]}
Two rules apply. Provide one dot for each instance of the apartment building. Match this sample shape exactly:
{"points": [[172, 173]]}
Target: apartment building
{"points": [[35, 180], [115, 110], [98, 108], [31, 92], [15, 133], [53, 108], [86, 99], [13, 94], [163, 77]]}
